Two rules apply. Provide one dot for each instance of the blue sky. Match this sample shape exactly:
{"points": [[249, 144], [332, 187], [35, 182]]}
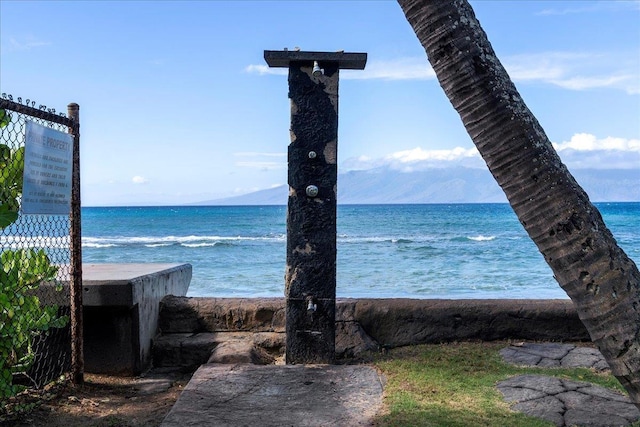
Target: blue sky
{"points": [[177, 104]]}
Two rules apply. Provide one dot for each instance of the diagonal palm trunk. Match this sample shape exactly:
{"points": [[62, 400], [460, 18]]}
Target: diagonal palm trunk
{"points": [[600, 279]]}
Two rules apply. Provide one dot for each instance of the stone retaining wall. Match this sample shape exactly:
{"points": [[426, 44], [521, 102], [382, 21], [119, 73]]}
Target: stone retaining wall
{"points": [[361, 324]]}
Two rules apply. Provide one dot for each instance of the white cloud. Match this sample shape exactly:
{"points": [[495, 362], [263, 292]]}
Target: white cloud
{"points": [[572, 71], [139, 180], [417, 159], [587, 151], [629, 83], [258, 154], [581, 152], [577, 71], [397, 69], [541, 66], [264, 166], [588, 142], [418, 154], [600, 159], [262, 70], [256, 160], [26, 44]]}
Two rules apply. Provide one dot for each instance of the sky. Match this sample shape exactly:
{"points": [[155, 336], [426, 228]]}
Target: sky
{"points": [[178, 106]]}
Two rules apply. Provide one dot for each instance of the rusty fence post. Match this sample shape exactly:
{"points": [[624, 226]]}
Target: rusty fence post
{"points": [[310, 279], [75, 285]]}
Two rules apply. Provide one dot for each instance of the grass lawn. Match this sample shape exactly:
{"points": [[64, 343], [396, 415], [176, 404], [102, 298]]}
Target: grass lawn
{"points": [[455, 385]]}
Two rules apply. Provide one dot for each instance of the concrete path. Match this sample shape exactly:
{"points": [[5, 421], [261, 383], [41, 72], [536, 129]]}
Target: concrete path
{"points": [[278, 395], [560, 401]]}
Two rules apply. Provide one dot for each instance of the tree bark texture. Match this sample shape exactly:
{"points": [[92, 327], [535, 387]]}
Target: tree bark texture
{"points": [[310, 279], [601, 280]]}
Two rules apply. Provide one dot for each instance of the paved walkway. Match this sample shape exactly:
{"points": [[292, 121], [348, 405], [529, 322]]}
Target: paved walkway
{"points": [[560, 401], [243, 394], [278, 395]]}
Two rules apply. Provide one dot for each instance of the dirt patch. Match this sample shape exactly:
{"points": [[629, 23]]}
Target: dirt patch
{"points": [[102, 401]]}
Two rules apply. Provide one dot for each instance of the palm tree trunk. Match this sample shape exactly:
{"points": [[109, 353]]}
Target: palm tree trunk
{"points": [[601, 280]]}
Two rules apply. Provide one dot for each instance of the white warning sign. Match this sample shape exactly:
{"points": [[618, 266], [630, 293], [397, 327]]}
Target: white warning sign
{"points": [[46, 187]]}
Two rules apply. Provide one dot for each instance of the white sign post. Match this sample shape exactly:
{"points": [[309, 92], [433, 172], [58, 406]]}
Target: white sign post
{"points": [[46, 187]]}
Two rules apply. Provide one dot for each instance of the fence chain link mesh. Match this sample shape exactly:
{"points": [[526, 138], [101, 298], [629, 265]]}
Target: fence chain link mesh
{"points": [[35, 338]]}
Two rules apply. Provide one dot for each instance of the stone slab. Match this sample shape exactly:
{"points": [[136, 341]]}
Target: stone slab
{"points": [[568, 403], [551, 355], [279, 395]]}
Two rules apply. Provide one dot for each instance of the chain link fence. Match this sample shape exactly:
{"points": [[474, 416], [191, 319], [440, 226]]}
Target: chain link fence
{"points": [[40, 268]]}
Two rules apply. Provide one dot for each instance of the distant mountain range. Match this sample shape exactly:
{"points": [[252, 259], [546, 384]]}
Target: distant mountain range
{"points": [[447, 185]]}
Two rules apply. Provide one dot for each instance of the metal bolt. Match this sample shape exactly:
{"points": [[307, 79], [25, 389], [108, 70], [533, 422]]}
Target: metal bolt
{"points": [[312, 154], [312, 191]]}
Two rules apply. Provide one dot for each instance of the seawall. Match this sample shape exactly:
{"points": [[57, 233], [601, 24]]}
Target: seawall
{"points": [[193, 329]]}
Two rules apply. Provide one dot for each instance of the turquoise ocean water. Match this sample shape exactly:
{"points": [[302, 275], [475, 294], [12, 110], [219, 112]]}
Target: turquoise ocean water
{"points": [[384, 251]]}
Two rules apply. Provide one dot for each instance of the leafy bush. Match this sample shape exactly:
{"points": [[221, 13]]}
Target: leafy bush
{"points": [[10, 184], [22, 317], [11, 173]]}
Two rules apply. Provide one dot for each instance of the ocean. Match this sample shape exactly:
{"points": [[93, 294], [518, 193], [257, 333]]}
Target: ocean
{"points": [[384, 251]]}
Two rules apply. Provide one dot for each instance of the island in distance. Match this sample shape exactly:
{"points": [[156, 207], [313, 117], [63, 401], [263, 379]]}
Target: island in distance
{"points": [[443, 185]]}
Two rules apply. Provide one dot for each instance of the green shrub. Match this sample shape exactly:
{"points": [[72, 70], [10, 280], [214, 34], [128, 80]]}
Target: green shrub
{"points": [[22, 317], [11, 167]]}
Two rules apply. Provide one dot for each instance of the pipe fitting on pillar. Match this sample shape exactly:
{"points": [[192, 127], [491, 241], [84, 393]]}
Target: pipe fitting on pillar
{"points": [[311, 306], [317, 71]]}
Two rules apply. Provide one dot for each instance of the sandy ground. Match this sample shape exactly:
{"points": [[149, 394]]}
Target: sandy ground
{"points": [[102, 401]]}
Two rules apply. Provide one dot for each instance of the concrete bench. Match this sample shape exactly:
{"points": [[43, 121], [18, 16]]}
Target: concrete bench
{"points": [[121, 306]]}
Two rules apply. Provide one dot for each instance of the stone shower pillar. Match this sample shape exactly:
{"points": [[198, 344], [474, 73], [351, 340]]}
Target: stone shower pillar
{"points": [[310, 278]]}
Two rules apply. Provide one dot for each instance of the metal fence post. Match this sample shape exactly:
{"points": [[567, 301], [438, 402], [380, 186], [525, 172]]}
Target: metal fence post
{"points": [[310, 280], [77, 353]]}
